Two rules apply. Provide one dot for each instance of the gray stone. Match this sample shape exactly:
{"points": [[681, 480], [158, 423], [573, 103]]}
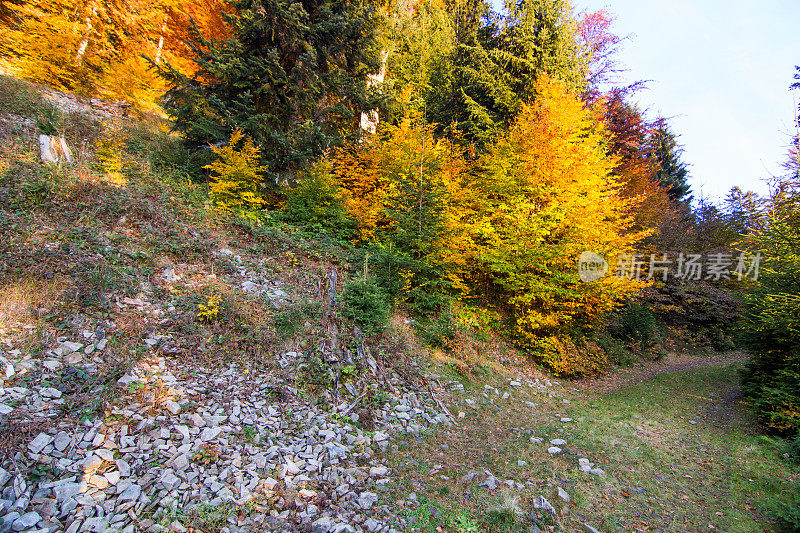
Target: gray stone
{"points": [[61, 441], [96, 524], [131, 494], [5, 409], [124, 468], [372, 525], [112, 477], [26, 521], [490, 483], [322, 525], [558, 442], [172, 407], [541, 503], [8, 520], [590, 529], [367, 499], [68, 490], [39, 443], [5, 477], [91, 464], [183, 430], [170, 480], [553, 450], [181, 463], [564, 495], [378, 471], [209, 434], [468, 477], [50, 392]]}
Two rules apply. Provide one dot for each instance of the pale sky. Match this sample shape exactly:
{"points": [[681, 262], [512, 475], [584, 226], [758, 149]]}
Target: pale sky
{"points": [[721, 70]]}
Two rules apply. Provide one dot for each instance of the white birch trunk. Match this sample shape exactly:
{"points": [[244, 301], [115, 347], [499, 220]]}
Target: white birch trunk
{"points": [[161, 41], [87, 34], [369, 121]]}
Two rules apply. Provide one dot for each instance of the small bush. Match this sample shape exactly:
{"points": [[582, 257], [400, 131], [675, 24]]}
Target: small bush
{"points": [[237, 177], [317, 204], [365, 304], [289, 321], [565, 358], [315, 375], [439, 331], [788, 514], [615, 349], [50, 120], [634, 323]]}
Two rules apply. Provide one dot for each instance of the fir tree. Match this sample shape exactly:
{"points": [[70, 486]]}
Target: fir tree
{"points": [[672, 173], [496, 63], [293, 77]]}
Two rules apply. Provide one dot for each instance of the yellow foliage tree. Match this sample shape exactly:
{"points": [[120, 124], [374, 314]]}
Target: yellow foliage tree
{"points": [[404, 188], [95, 48], [237, 177], [547, 194]]}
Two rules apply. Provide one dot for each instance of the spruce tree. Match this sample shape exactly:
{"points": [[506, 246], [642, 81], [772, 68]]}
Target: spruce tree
{"points": [[293, 77], [494, 67], [672, 173]]}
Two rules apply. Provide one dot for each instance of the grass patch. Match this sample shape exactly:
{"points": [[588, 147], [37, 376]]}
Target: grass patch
{"points": [[683, 447]]}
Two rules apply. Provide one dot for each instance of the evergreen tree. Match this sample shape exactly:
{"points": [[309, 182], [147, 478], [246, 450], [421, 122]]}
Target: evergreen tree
{"points": [[495, 65], [293, 77], [771, 325], [401, 188], [672, 173]]}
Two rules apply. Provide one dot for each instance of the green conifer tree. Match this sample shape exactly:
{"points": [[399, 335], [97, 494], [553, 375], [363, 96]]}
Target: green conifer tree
{"points": [[672, 173], [293, 77]]}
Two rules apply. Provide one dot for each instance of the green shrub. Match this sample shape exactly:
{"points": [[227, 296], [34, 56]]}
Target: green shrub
{"points": [[771, 323], [634, 323], [788, 514], [615, 349], [364, 303], [289, 321], [316, 204], [50, 120], [439, 330], [771, 379]]}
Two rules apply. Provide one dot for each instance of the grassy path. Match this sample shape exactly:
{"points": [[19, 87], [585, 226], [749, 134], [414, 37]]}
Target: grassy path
{"points": [[680, 453]]}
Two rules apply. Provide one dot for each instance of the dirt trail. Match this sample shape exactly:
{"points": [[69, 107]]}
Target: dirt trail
{"points": [[644, 371]]}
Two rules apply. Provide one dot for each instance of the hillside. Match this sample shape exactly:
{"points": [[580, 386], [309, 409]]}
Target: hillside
{"points": [[168, 367]]}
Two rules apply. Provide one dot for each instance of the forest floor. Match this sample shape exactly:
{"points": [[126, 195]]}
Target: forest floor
{"points": [[123, 407], [679, 452]]}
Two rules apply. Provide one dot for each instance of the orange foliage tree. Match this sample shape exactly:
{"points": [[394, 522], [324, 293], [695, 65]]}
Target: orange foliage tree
{"points": [[646, 201], [548, 193], [97, 48]]}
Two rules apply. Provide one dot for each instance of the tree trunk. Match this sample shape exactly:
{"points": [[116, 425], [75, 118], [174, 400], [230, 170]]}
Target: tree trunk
{"points": [[86, 35], [161, 40], [369, 121]]}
